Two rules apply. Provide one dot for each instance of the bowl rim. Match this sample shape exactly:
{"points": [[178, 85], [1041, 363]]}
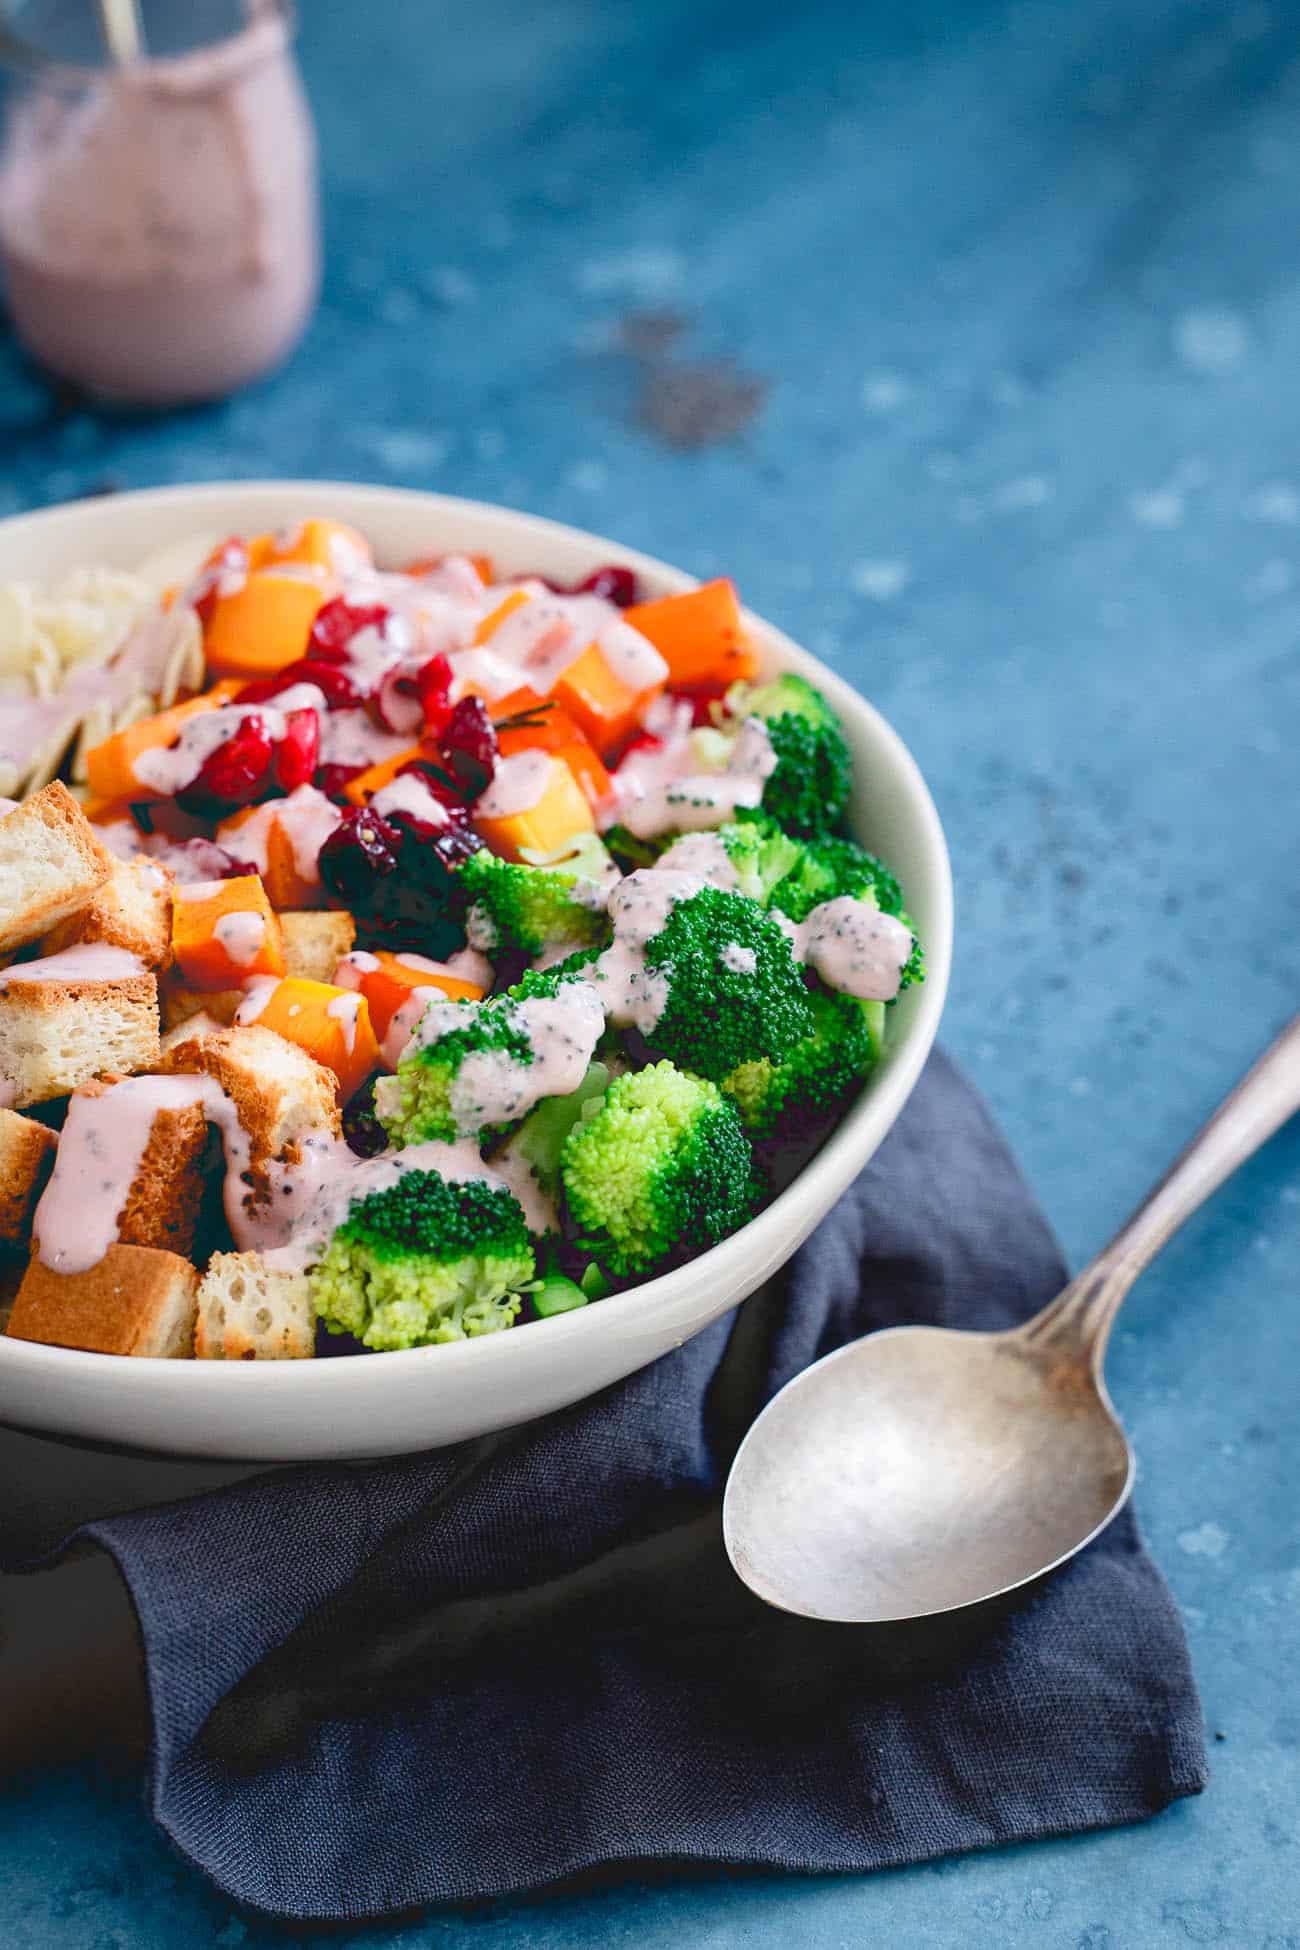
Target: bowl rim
{"points": [[836, 1161]]}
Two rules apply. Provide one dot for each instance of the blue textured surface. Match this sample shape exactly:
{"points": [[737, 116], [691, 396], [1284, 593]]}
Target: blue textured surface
{"points": [[1000, 304]]}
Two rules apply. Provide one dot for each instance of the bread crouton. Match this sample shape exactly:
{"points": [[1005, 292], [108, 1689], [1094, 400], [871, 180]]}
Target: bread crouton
{"points": [[249, 1311], [158, 1163], [182, 1032], [59, 1032], [12, 1268], [26, 1149], [136, 1300], [280, 1093], [51, 863], [180, 1003], [132, 910], [315, 942]]}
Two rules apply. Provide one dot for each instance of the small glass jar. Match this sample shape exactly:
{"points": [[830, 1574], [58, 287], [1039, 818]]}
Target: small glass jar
{"points": [[159, 225]]}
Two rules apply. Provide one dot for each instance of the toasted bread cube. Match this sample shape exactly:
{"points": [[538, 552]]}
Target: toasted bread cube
{"points": [[197, 1024], [180, 1005], [132, 910], [160, 1206], [224, 932], [280, 1095], [249, 1311], [136, 1300], [57, 1034], [26, 1151], [316, 942], [51, 863], [330, 1023], [13, 1267]]}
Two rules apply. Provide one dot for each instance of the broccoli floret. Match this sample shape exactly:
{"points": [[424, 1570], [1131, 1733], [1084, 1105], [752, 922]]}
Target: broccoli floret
{"points": [[734, 991], [549, 981], [761, 854], [423, 1101], [661, 1168], [536, 1146], [793, 1096], [531, 908], [424, 1260], [630, 852], [809, 789], [830, 868]]}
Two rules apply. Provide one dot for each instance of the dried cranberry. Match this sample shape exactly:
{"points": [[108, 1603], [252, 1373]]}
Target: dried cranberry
{"points": [[362, 1130], [469, 745], [702, 703], [331, 779], [443, 789], [236, 773], [359, 855], [432, 687], [641, 741], [335, 685], [396, 703], [615, 583], [336, 624], [298, 750]]}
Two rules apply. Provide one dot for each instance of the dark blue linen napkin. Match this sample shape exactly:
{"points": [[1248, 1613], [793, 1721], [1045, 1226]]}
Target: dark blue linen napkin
{"points": [[480, 1671]]}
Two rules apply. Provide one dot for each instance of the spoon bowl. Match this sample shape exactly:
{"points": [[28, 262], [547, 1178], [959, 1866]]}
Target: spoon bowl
{"points": [[919, 1470], [924, 1469]]}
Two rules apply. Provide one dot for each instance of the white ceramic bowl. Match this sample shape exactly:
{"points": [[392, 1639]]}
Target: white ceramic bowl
{"points": [[394, 1403]]}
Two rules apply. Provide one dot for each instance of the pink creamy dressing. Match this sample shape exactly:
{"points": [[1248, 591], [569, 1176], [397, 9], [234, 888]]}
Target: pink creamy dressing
{"points": [[344, 1010], [241, 934], [854, 948], [632, 994], [353, 738], [673, 788], [518, 784], [409, 794], [306, 818], [257, 994], [352, 967], [91, 961], [492, 1086], [168, 769], [159, 229], [705, 856]]}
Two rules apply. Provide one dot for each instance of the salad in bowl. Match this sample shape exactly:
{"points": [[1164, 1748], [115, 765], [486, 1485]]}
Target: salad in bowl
{"points": [[464, 945]]}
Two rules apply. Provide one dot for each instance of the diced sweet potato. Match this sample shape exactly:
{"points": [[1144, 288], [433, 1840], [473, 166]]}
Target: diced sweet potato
{"points": [[322, 544], [265, 624], [331, 1024], [554, 731], [388, 986], [257, 836], [699, 635], [110, 766], [560, 814], [375, 777], [224, 932], [605, 708]]}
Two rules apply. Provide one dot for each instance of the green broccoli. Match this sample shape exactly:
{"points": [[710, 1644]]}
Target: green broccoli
{"points": [[425, 1260], [830, 868], [761, 854], [428, 1097], [531, 909], [661, 1168], [549, 981], [630, 852], [791, 1097], [534, 1149], [809, 789], [733, 989]]}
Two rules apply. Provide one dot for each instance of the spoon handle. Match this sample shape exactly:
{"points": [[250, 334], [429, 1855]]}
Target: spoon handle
{"points": [[1080, 1319]]}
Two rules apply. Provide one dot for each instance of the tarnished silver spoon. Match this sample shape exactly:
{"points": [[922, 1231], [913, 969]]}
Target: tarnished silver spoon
{"points": [[922, 1469]]}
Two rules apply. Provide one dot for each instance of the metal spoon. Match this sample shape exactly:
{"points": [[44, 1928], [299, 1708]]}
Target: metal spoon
{"points": [[922, 1469]]}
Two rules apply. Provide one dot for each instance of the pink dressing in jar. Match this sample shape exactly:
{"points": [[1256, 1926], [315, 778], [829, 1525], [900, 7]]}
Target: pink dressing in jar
{"points": [[159, 229]]}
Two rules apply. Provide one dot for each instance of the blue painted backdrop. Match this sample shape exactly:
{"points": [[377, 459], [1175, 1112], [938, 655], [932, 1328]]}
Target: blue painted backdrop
{"points": [[966, 338]]}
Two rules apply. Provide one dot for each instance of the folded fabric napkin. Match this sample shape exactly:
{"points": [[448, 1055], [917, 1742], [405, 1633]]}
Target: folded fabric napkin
{"points": [[479, 1671]]}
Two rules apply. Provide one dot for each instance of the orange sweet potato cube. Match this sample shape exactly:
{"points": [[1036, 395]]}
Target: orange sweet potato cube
{"points": [[699, 634], [224, 932], [605, 709], [110, 766], [389, 985], [332, 1024], [554, 731], [265, 624], [323, 544], [558, 815]]}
